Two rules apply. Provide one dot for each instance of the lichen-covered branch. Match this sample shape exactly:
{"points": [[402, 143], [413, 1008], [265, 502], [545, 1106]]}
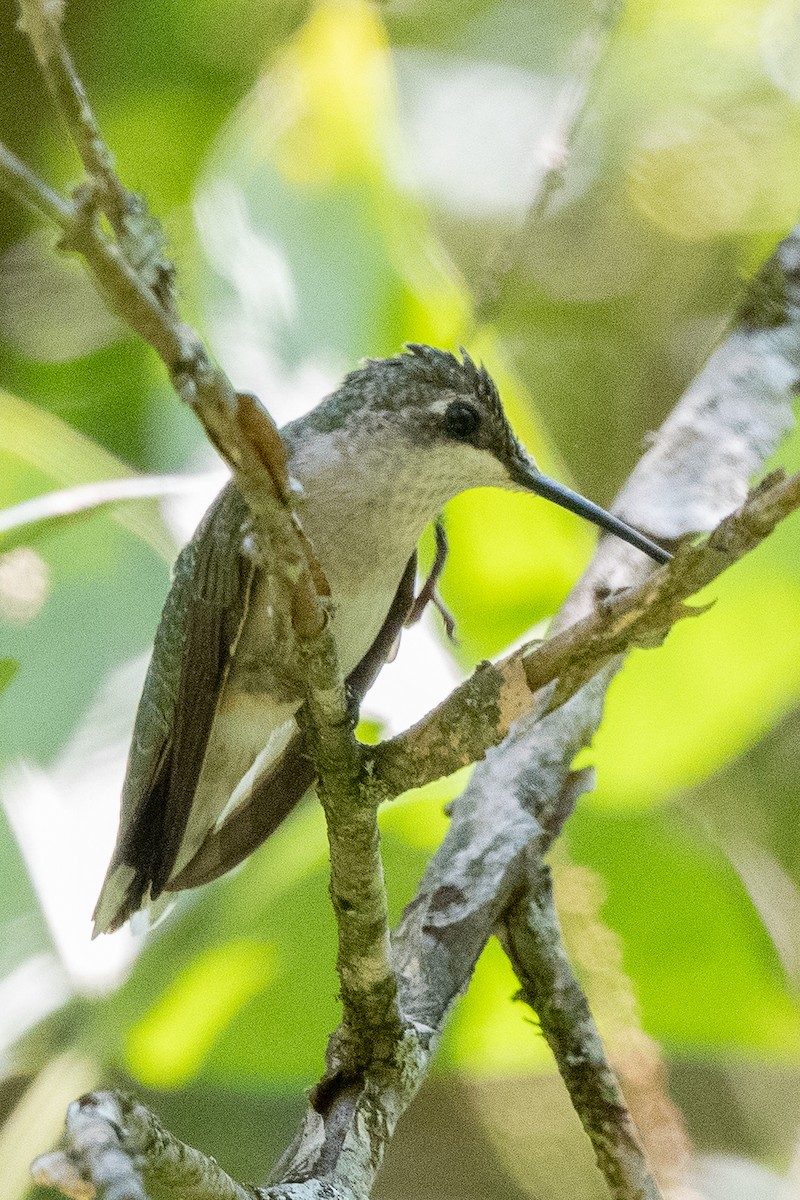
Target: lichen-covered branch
{"points": [[479, 713], [129, 266], [697, 470], [115, 1147], [357, 888], [532, 940], [724, 428]]}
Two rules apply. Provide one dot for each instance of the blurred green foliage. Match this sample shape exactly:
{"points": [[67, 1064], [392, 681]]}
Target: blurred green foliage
{"points": [[336, 179]]}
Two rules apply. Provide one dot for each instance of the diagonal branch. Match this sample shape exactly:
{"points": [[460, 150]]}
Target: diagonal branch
{"points": [[41, 22], [730, 420], [140, 236], [532, 939], [134, 277], [480, 712]]}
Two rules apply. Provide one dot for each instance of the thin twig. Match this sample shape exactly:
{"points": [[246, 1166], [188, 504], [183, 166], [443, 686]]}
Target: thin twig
{"points": [[84, 497], [236, 424], [25, 186], [568, 116], [42, 22]]}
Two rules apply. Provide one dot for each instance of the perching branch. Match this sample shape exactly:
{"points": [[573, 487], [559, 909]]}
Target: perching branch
{"points": [[730, 420], [357, 888], [480, 712]]}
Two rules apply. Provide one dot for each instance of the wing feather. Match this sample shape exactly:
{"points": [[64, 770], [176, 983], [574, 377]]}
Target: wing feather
{"points": [[199, 628]]}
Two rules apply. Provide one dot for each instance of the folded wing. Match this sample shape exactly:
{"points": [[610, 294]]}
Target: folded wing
{"points": [[194, 646], [276, 792], [201, 622]]}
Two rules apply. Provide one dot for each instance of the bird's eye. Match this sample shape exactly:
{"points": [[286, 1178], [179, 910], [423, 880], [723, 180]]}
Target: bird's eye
{"points": [[462, 421]]}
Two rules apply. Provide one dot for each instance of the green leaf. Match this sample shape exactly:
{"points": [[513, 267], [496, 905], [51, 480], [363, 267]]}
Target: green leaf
{"points": [[8, 669]]}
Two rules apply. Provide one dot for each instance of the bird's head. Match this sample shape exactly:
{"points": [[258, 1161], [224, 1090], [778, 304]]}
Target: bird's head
{"points": [[443, 416]]}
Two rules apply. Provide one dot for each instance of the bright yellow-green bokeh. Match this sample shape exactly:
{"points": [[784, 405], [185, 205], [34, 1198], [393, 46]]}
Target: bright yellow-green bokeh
{"points": [[719, 682], [169, 1043]]}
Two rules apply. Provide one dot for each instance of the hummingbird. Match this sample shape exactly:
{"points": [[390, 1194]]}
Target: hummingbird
{"points": [[218, 756]]}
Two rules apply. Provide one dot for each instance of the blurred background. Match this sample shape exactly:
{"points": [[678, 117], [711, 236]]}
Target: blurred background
{"points": [[336, 179]]}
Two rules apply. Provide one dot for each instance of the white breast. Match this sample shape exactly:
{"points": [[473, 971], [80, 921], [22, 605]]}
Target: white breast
{"points": [[357, 620]]}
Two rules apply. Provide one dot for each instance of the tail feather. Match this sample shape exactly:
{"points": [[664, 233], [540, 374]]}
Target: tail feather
{"points": [[127, 889], [122, 899], [118, 900]]}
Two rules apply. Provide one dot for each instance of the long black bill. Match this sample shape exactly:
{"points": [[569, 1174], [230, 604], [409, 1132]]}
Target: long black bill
{"points": [[525, 474]]}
